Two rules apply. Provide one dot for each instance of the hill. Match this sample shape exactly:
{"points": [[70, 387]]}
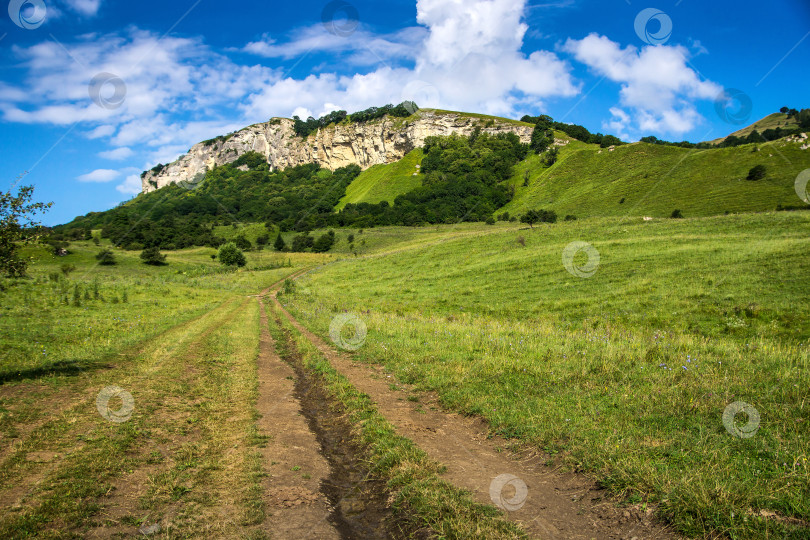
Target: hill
{"points": [[385, 182], [772, 121], [653, 180]]}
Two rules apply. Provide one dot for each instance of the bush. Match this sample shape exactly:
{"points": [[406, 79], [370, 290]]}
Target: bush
{"points": [[263, 240], [243, 243], [676, 214], [302, 242], [105, 257], [279, 244], [569, 217], [539, 216], [324, 242], [153, 256], [757, 172], [490, 220], [230, 255]]}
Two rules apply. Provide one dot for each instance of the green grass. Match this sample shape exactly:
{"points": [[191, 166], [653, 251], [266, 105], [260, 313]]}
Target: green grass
{"points": [[384, 182], [654, 180], [624, 375]]}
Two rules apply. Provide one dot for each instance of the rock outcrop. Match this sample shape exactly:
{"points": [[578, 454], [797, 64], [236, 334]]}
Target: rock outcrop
{"points": [[365, 144]]}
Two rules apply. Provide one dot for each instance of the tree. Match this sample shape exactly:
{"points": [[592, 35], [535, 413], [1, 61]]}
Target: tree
{"points": [[230, 255], [152, 256], [803, 118], [324, 242], [105, 257], [16, 223], [302, 242], [757, 172], [539, 216], [676, 214], [279, 244], [243, 243], [784, 110], [551, 157]]}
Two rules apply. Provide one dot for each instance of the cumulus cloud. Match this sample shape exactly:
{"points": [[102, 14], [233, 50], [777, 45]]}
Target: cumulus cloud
{"points": [[117, 154], [657, 84], [99, 175], [130, 186], [85, 7]]}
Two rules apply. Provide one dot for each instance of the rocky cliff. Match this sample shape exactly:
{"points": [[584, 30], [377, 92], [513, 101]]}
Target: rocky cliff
{"points": [[364, 144]]}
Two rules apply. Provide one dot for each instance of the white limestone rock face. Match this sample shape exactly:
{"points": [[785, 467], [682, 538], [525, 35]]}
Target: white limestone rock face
{"points": [[365, 144]]}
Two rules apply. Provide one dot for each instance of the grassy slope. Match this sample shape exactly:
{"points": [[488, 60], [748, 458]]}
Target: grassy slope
{"points": [[593, 367], [772, 121], [384, 182], [655, 180]]}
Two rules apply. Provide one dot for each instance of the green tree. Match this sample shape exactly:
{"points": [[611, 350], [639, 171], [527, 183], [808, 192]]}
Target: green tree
{"points": [[279, 244], [153, 256], [324, 242], [243, 243], [105, 257], [757, 172], [16, 225], [230, 255]]}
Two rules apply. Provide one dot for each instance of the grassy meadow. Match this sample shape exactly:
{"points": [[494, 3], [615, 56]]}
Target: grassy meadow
{"points": [[624, 375]]}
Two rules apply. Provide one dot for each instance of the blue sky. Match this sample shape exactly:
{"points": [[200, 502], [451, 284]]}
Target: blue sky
{"points": [[92, 92]]}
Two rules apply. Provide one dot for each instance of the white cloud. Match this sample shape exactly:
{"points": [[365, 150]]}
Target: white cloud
{"points": [[657, 83], [85, 7], [99, 175], [117, 154], [130, 186]]}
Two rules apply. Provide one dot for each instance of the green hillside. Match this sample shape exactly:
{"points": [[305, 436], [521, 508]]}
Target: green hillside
{"points": [[772, 121], [384, 182], [654, 180]]}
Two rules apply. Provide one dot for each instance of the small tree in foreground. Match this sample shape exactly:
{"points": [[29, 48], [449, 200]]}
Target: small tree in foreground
{"points": [[230, 255], [676, 214], [16, 221], [105, 257], [757, 172], [280, 245], [153, 256]]}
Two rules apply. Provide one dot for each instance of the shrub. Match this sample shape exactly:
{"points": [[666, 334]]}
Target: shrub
{"points": [[302, 242], [757, 172], [324, 242], [105, 257], [243, 243], [539, 216], [569, 217], [676, 214], [279, 244], [153, 256], [490, 220], [230, 255]]}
